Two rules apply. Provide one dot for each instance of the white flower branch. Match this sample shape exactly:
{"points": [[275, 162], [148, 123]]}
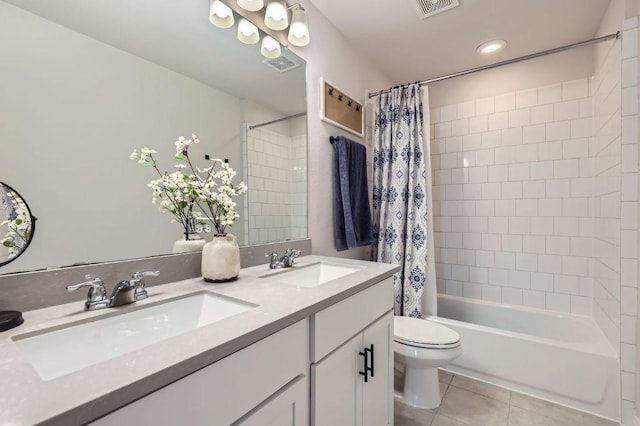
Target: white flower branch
{"points": [[211, 191]]}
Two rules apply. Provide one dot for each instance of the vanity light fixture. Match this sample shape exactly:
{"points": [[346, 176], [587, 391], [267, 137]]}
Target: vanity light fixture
{"points": [[247, 32], [220, 14], [299, 29], [251, 5], [276, 16], [492, 46], [270, 48]]}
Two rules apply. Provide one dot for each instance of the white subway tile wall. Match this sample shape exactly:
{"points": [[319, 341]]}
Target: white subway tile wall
{"points": [[512, 183], [626, 128], [278, 180], [607, 93], [538, 203]]}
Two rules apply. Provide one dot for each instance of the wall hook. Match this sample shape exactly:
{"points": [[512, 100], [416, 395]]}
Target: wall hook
{"points": [[330, 92], [340, 97]]}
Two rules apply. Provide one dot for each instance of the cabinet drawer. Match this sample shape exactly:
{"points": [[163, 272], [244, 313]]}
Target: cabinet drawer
{"points": [[338, 323], [221, 393]]}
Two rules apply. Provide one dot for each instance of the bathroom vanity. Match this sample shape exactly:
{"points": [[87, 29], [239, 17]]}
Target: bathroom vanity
{"points": [[310, 345]]}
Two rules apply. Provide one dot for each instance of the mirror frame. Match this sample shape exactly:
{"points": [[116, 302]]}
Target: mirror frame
{"points": [[33, 225]]}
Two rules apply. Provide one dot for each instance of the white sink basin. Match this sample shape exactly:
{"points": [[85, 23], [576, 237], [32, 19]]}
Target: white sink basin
{"points": [[312, 275], [59, 351]]}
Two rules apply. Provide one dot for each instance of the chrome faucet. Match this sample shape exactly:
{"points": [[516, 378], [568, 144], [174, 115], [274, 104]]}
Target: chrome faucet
{"points": [[130, 291], [125, 292], [286, 261]]}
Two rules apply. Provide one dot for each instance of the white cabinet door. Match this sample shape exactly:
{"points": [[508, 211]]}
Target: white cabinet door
{"points": [[336, 387], [339, 393], [288, 407], [377, 393]]}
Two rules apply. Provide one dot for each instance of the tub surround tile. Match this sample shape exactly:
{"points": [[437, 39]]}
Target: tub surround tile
{"points": [[630, 23], [523, 164], [628, 412], [628, 386]]}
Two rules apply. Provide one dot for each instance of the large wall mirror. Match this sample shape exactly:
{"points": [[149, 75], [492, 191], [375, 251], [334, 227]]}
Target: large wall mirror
{"points": [[84, 83]]}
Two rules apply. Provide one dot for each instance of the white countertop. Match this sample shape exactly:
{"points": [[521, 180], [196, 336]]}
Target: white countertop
{"points": [[87, 394]]}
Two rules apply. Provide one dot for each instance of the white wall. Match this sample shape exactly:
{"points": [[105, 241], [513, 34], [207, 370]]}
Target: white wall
{"points": [[73, 109], [253, 114], [330, 56]]}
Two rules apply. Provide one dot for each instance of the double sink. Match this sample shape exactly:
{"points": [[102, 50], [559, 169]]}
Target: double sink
{"points": [[58, 351]]}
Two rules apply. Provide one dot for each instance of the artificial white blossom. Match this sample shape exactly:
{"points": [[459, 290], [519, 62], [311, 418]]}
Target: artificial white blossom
{"points": [[193, 197]]}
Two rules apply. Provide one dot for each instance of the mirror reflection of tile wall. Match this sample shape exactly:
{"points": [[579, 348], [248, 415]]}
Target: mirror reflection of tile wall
{"points": [[277, 166]]}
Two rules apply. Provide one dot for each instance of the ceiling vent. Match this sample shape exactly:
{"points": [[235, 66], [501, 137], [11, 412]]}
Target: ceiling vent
{"points": [[427, 8], [281, 63]]}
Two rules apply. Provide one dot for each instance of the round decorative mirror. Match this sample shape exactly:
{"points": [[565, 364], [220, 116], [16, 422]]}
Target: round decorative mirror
{"points": [[17, 224]]}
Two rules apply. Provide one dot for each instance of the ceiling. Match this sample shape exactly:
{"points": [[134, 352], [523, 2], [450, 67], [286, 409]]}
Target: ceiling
{"points": [[177, 35], [407, 48]]}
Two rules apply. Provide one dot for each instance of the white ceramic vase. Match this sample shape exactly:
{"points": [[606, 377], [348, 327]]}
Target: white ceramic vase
{"points": [[221, 259], [194, 243]]}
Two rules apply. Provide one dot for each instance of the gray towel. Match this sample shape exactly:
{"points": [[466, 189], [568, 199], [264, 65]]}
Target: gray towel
{"points": [[351, 213]]}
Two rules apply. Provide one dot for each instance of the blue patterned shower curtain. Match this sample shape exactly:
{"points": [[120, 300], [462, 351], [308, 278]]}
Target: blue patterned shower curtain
{"points": [[403, 232]]}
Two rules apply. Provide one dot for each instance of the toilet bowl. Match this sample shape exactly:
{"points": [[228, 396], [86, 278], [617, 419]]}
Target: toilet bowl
{"points": [[423, 346]]}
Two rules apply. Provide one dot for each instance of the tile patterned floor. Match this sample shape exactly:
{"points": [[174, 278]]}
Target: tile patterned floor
{"points": [[468, 402]]}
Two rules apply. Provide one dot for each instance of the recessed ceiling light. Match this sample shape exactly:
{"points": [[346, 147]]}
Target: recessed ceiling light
{"points": [[491, 47]]}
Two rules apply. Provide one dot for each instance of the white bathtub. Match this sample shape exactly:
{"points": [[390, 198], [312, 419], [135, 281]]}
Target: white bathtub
{"points": [[559, 357]]}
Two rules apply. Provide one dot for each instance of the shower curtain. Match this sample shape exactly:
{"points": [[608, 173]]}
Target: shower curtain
{"points": [[402, 204]]}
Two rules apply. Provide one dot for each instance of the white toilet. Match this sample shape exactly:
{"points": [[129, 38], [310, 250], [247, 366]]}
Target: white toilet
{"points": [[422, 346]]}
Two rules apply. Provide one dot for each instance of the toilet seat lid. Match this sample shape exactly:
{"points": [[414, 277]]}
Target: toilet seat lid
{"points": [[421, 332]]}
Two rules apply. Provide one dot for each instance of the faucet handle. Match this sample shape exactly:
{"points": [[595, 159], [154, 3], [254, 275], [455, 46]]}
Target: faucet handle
{"points": [[290, 255], [274, 260], [97, 296], [96, 285], [140, 292], [293, 252], [140, 275]]}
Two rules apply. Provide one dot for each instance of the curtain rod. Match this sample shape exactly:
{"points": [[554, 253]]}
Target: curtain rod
{"points": [[289, 117], [508, 61]]}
